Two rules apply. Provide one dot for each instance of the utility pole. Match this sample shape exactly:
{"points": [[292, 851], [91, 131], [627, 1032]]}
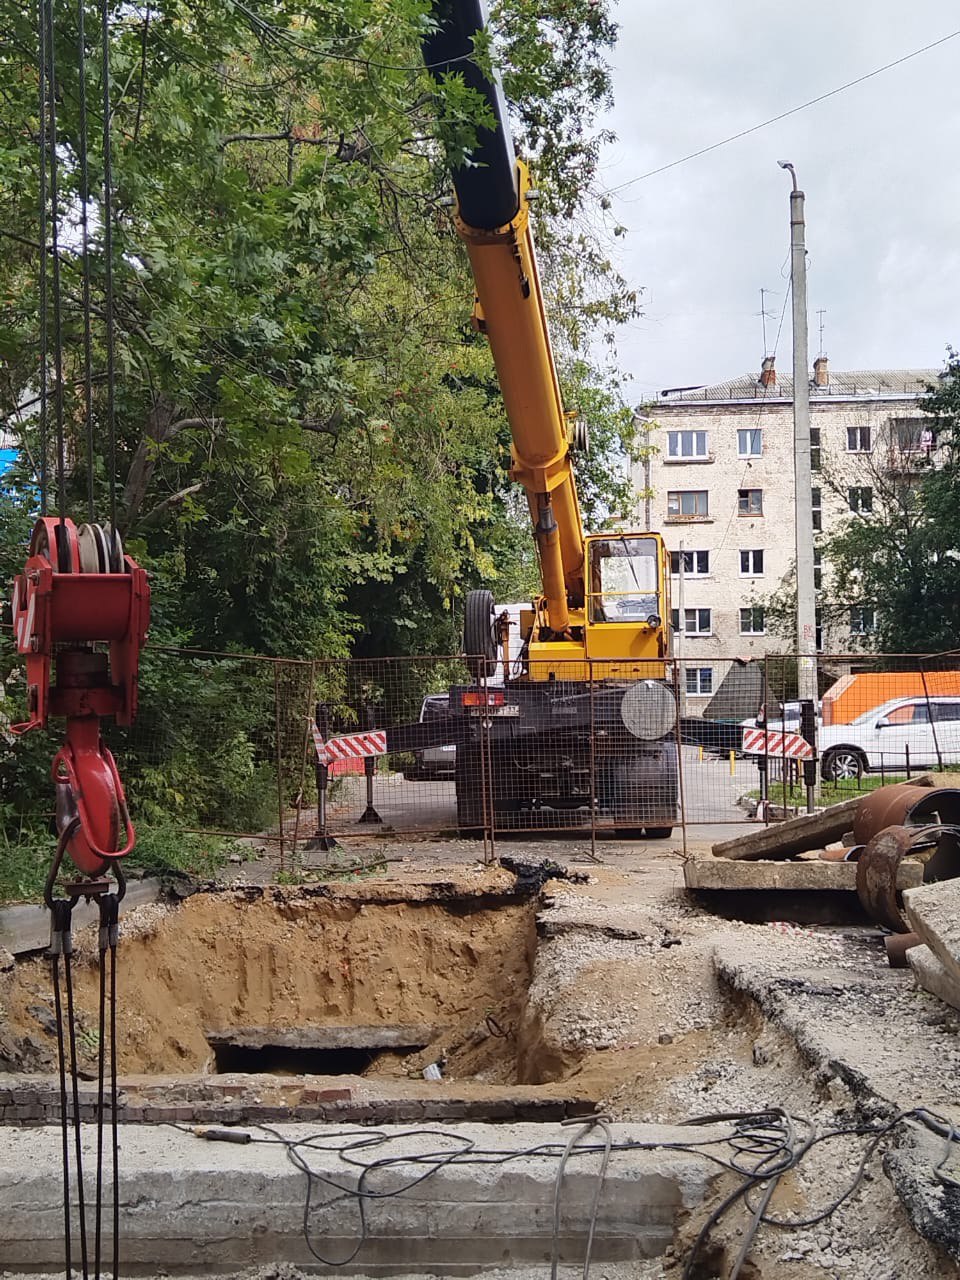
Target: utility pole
{"points": [[806, 593], [681, 611]]}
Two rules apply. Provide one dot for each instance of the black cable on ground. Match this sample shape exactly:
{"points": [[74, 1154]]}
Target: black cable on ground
{"points": [[766, 1144]]}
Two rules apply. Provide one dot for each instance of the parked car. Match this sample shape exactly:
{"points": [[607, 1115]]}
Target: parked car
{"points": [[787, 721], [433, 764], [921, 732]]}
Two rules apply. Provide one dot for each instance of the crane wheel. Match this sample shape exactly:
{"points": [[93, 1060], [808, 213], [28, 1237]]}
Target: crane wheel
{"points": [[479, 637]]}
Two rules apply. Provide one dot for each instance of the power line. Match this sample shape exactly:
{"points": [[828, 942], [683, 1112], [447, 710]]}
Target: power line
{"points": [[832, 93]]}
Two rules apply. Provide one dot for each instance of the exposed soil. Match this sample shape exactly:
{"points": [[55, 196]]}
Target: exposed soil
{"points": [[618, 1000], [222, 961]]}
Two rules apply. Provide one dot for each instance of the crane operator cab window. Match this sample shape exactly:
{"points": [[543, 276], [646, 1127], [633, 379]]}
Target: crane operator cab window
{"points": [[624, 584]]}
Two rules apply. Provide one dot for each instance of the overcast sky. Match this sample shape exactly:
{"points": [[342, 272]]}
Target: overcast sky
{"points": [[878, 163]]}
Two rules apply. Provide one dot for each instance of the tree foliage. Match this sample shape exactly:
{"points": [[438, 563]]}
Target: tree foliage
{"points": [[311, 448], [310, 439], [901, 559]]}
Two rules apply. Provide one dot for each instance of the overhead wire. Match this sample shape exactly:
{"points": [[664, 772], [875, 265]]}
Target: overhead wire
{"points": [[783, 115]]}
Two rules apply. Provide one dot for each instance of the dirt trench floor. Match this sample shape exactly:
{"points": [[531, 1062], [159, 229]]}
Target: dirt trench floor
{"points": [[606, 988]]}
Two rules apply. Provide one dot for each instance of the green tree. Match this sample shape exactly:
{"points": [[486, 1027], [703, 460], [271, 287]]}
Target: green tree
{"points": [[304, 419]]}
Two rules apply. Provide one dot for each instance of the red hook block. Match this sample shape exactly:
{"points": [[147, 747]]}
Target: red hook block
{"points": [[77, 592]]}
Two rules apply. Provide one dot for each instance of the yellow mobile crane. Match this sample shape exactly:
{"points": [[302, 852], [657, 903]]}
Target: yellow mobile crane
{"points": [[584, 715]]}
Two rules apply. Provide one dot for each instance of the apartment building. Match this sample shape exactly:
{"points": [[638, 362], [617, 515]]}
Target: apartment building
{"points": [[719, 485]]}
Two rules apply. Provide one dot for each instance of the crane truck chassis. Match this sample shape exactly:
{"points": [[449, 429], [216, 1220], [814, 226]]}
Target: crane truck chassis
{"points": [[584, 716]]}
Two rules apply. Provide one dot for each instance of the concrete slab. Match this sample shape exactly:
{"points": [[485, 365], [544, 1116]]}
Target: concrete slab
{"points": [[932, 976], [783, 840], [852, 1016], [706, 871], [933, 911], [189, 1205], [396, 1036]]}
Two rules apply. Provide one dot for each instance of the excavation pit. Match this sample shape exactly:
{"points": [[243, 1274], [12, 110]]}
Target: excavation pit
{"points": [[372, 981]]}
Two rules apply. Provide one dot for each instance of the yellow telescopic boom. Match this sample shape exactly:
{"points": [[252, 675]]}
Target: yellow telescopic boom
{"points": [[493, 196]]}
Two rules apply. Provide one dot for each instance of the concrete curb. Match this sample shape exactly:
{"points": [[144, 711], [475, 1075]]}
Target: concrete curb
{"points": [[195, 1206], [26, 927]]}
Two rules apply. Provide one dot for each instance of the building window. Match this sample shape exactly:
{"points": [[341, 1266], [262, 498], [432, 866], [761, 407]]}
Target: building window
{"points": [[818, 628], [860, 498], [699, 680], [911, 435], [859, 439], [817, 568], [814, 448], [696, 564], [863, 621], [687, 503], [751, 564], [750, 502], [687, 444], [696, 622], [815, 503], [750, 443], [751, 621]]}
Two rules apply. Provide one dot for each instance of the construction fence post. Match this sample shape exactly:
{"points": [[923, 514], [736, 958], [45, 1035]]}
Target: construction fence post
{"points": [[369, 814], [320, 840]]}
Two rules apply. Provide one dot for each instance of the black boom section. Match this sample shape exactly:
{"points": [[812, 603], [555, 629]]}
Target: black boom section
{"points": [[487, 189]]}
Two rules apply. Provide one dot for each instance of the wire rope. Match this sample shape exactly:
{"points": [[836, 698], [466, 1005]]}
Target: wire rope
{"points": [[42, 285], [85, 251], [108, 270], [52, 163]]}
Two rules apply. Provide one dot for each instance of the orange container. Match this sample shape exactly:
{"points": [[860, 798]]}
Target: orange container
{"points": [[852, 696]]}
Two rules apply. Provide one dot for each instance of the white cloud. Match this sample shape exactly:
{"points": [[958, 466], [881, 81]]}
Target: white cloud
{"points": [[876, 164]]}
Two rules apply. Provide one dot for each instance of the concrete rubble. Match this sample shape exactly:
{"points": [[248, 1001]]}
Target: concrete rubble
{"points": [[933, 911], [851, 861]]}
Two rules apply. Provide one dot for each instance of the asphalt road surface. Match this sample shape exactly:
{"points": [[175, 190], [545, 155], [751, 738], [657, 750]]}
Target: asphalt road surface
{"points": [[710, 788]]}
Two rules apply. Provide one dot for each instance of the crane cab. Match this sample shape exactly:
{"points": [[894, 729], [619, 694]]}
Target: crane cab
{"points": [[622, 630]]}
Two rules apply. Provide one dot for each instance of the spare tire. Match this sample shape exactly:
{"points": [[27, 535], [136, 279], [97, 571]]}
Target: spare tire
{"points": [[479, 636]]}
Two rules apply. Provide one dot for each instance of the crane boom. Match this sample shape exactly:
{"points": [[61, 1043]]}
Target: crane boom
{"points": [[493, 220]]}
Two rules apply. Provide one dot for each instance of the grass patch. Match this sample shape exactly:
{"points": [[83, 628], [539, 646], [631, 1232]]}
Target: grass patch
{"points": [[25, 858], [827, 792]]}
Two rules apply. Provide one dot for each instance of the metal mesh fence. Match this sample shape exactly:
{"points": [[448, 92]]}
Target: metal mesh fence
{"points": [[299, 753]]}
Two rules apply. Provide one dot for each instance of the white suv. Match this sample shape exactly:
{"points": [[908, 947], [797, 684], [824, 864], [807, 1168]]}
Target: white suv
{"points": [[918, 731]]}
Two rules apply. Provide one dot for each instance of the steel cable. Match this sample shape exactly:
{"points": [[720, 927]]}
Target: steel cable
{"points": [[42, 288], [85, 253], [52, 163], [64, 1125], [75, 1090], [108, 269]]}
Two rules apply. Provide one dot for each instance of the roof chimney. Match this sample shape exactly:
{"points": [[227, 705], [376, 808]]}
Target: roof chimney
{"points": [[768, 374], [821, 374]]}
